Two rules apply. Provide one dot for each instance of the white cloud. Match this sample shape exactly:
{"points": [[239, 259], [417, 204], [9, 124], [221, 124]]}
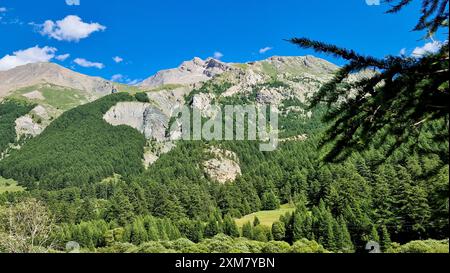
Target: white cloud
{"points": [[117, 59], [71, 28], [217, 55], [73, 2], [2, 9], [27, 56], [62, 57], [117, 78], [431, 47], [265, 49], [125, 79], [403, 51], [85, 63], [133, 82]]}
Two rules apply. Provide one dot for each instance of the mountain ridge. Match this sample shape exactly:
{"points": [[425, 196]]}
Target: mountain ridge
{"points": [[198, 70], [47, 72]]}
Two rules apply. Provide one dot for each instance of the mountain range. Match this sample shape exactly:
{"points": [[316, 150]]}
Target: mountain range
{"points": [[56, 89], [199, 83]]}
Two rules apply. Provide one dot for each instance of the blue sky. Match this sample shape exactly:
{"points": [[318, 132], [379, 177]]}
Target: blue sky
{"points": [[150, 35]]}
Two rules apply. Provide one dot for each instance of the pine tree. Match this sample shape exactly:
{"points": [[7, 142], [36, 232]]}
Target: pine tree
{"points": [[260, 234], [173, 233], [138, 233], [230, 227], [151, 228], [385, 238], [297, 227], [270, 201], [212, 227], [87, 211], [198, 231], [374, 235], [120, 209], [247, 231], [346, 244], [329, 238], [256, 221], [278, 231], [404, 96], [162, 230]]}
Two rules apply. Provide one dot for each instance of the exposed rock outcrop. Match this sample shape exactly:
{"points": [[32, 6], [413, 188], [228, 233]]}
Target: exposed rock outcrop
{"points": [[143, 117], [154, 150], [203, 103], [223, 167], [169, 100], [33, 123], [26, 126]]}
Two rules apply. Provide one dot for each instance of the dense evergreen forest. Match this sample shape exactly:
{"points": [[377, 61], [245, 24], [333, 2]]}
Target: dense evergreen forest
{"points": [[90, 175], [77, 148]]}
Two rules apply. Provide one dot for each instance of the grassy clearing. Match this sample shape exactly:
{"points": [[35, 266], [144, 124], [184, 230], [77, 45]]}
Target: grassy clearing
{"points": [[241, 66], [130, 89], [269, 69], [9, 185], [58, 97], [266, 217], [168, 87]]}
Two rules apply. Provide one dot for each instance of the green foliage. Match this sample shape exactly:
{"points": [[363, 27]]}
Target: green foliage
{"points": [[434, 14], [276, 247], [167, 87], [219, 244], [230, 228], [9, 185], [212, 227], [120, 209], [256, 221], [385, 238], [270, 201], [77, 148], [278, 231], [388, 193], [306, 246], [57, 97], [10, 110], [247, 230], [428, 246], [142, 97], [209, 87], [404, 98]]}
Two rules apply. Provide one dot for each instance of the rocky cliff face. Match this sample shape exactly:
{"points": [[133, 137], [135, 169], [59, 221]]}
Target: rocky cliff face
{"points": [[143, 117]]}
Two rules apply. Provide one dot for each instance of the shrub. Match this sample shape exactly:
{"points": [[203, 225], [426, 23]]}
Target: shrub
{"points": [[427, 246], [307, 246]]}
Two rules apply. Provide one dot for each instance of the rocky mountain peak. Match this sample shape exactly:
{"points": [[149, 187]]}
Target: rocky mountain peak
{"points": [[38, 73], [189, 72], [295, 63]]}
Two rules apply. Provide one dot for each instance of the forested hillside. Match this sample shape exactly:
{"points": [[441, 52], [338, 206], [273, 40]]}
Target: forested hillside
{"points": [[77, 148], [340, 206]]}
